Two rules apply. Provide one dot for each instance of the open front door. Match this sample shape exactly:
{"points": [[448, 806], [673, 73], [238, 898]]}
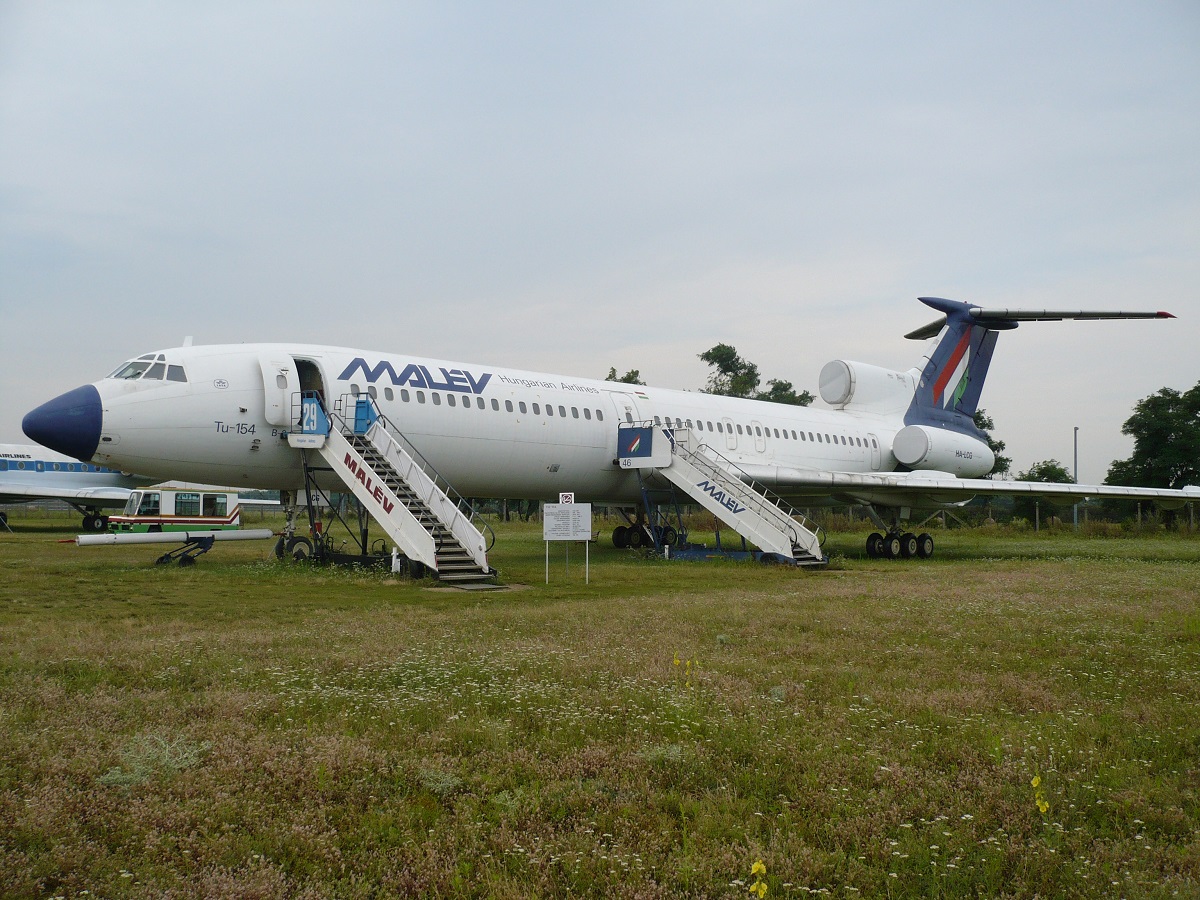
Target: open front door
{"points": [[281, 381]]}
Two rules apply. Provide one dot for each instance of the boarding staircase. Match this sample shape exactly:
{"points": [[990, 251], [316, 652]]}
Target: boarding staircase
{"points": [[418, 510], [723, 489]]}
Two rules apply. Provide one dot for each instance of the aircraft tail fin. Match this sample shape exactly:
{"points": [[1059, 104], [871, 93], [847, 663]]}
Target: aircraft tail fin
{"points": [[952, 376]]}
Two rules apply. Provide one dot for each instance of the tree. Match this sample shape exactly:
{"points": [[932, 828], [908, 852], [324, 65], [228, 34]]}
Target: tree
{"points": [[633, 376], [1050, 471], [1165, 428], [985, 424], [783, 392], [736, 377]]}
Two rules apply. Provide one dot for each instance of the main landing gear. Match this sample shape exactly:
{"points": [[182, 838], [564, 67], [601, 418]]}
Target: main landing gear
{"points": [[895, 545]]}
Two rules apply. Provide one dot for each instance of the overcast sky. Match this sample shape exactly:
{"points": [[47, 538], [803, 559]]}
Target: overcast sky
{"points": [[569, 187]]}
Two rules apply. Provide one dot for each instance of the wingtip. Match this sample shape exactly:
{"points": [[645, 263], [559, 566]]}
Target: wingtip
{"points": [[1165, 315]]}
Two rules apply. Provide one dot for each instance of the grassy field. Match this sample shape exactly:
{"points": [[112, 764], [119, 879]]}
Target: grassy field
{"points": [[1018, 717]]}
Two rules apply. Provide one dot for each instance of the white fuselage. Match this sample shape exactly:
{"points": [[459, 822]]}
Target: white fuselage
{"points": [[29, 472], [490, 431]]}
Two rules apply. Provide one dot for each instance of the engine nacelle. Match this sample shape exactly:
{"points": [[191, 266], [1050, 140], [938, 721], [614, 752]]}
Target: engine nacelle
{"points": [[845, 383], [922, 447]]}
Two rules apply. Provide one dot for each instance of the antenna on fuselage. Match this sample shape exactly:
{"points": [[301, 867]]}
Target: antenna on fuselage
{"points": [[187, 341]]}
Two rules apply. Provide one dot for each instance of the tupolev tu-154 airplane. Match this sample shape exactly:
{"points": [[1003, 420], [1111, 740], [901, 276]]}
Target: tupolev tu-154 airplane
{"points": [[251, 415]]}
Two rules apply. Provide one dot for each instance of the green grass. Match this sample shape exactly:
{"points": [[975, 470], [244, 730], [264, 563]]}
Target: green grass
{"points": [[245, 728]]}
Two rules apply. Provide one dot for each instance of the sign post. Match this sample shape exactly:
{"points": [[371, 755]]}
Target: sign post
{"points": [[568, 521]]}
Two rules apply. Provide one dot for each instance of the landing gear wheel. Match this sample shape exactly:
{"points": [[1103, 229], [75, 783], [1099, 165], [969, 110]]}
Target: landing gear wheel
{"points": [[891, 546], [875, 548], [636, 538], [925, 546], [299, 548], [279, 547], [908, 545], [621, 537], [94, 523]]}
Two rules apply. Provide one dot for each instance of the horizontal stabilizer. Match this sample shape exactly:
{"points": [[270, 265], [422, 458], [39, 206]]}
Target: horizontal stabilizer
{"points": [[1008, 318]]}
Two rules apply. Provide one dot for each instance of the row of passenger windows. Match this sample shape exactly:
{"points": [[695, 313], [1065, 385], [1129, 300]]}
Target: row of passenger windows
{"points": [[31, 465], [561, 411], [464, 401], [767, 431]]}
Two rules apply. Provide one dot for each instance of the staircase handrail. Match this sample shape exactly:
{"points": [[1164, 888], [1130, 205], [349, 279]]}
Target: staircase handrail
{"points": [[475, 519]]}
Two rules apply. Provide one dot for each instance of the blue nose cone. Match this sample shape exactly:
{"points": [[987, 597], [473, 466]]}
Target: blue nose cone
{"points": [[69, 423]]}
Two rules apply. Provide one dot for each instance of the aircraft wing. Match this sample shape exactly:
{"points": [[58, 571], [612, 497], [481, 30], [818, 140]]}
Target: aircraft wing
{"points": [[106, 497], [934, 490]]}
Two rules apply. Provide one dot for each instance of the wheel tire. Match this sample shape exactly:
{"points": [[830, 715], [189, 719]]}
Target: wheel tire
{"points": [[908, 545], [94, 523], [925, 546], [891, 546], [875, 548], [299, 548], [636, 539], [669, 536], [621, 537], [279, 547], [185, 561]]}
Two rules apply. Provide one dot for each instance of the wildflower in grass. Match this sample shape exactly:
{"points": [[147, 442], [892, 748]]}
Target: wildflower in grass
{"points": [[759, 887], [1038, 797]]}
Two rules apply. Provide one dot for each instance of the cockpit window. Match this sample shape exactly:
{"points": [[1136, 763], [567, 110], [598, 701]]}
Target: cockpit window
{"points": [[131, 370], [151, 366]]}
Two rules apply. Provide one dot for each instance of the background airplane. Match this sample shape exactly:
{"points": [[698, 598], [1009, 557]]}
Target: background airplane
{"points": [[29, 472], [892, 441]]}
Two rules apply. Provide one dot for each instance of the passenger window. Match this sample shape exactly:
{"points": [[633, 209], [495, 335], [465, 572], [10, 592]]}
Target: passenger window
{"points": [[374, 394], [758, 431], [537, 409], [420, 396], [495, 404], [657, 423], [562, 411], [599, 415], [508, 407], [388, 394], [437, 398], [404, 394], [574, 412], [819, 441], [479, 404], [587, 413], [521, 406], [739, 429], [450, 401], [549, 410]]}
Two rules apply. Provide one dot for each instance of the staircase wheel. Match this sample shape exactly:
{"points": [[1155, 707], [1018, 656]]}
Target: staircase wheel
{"points": [[669, 537], [621, 537], [908, 545]]}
